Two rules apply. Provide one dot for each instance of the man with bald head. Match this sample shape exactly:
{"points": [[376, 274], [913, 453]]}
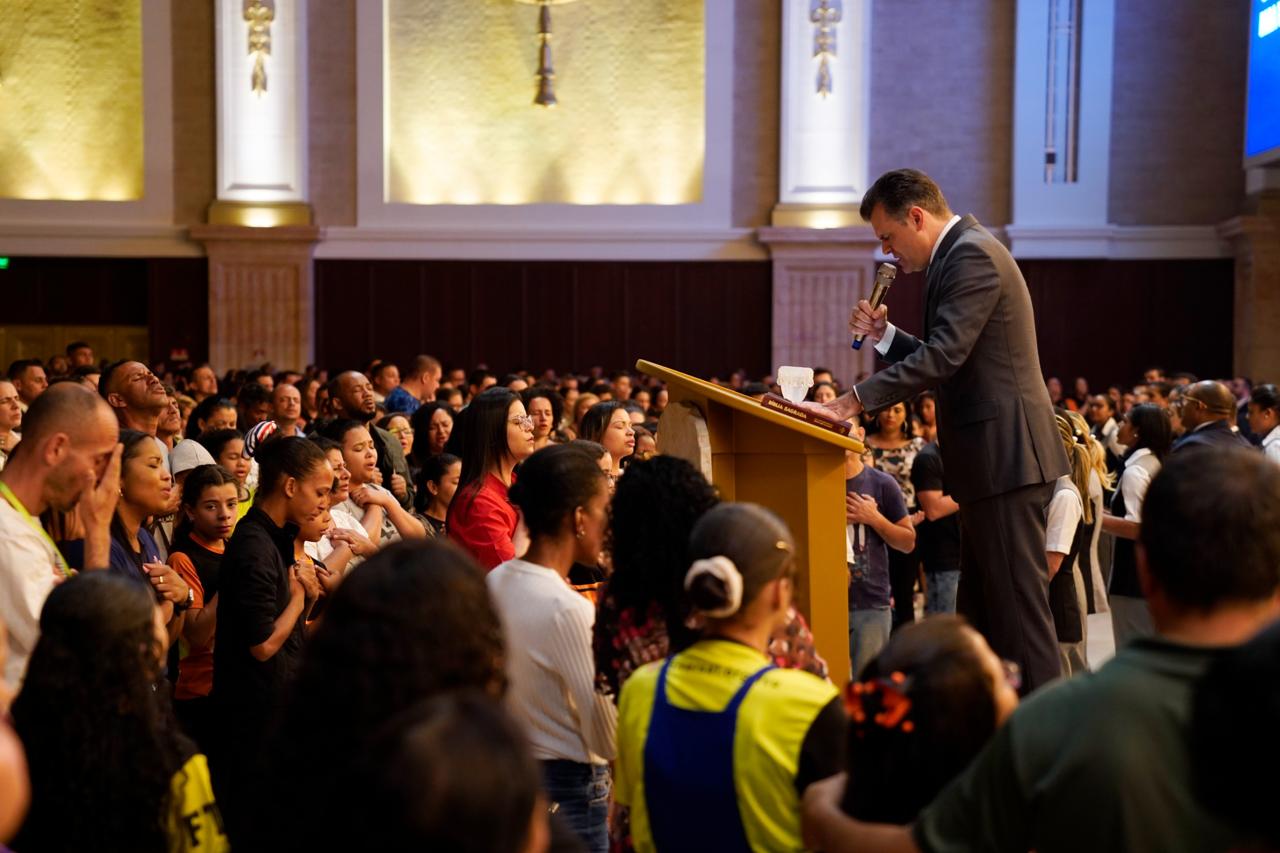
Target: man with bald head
{"points": [[69, 459], [1208, 411], [351, 396]]}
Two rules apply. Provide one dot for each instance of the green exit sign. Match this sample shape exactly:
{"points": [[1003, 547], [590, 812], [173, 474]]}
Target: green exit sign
{"points": [[4, 263]]}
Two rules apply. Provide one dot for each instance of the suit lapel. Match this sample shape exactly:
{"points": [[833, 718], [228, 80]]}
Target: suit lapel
{"points": [[933, 275]]}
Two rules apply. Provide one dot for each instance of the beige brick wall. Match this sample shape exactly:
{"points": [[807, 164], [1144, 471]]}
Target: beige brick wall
{"points": [[942, 97], [1177, 121], [331, 105], [195, 168], [756, 105]]}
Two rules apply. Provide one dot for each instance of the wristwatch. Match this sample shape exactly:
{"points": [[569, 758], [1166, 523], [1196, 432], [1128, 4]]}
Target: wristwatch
{"points": [[182, 606]]}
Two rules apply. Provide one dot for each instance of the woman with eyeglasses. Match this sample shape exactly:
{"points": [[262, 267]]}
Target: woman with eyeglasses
{"points": [[493, 435]]}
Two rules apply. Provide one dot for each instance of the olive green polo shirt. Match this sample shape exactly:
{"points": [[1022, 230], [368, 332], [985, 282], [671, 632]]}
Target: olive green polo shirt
{"points": [[1096, 763]]}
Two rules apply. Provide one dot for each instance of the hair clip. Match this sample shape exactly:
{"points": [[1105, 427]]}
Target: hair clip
{"points": [[891, 707]]}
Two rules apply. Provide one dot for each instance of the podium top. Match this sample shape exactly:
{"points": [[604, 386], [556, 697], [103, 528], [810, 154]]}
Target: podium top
{"points": [[743, 403]]}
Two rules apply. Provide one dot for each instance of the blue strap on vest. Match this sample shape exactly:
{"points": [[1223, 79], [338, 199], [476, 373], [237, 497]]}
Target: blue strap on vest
{"points": [[688, 774]]}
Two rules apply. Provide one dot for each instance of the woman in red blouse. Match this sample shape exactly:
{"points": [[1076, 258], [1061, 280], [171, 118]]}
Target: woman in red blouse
{"points": [[493, 435]]}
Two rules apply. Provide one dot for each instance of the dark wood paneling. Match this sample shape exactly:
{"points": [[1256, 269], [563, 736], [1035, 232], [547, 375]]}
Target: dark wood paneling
{"points": [[707, 318], [170, 295], [1109, 320]]}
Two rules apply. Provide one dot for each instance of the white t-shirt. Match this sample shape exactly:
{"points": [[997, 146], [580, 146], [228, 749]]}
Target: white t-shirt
{"points": [[28, 573], [550, 664], [1065, 514], [342, 520]]}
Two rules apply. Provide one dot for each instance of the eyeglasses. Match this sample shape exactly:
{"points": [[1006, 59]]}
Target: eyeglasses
{"points": [[401, 431], [524, 421], [1183, 401]]}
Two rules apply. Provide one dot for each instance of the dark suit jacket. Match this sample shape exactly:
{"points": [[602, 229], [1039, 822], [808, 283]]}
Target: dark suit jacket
{"points": [[995, 422], [1215, 434]]}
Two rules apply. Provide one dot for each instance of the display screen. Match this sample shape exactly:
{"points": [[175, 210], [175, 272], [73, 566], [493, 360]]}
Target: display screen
{"points": [[1262, 127]]}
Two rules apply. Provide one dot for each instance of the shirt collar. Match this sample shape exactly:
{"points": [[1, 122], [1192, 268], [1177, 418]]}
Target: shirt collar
{"points": [[951, 223], [1271, 437], [1136, 455]]}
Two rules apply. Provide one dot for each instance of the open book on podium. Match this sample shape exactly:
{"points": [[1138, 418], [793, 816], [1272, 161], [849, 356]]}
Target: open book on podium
{"points": [[792, 467]]}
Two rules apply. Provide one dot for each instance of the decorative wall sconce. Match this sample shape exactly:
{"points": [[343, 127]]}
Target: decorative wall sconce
{"points": [[546, 93], [259, 15], [825, 15]]}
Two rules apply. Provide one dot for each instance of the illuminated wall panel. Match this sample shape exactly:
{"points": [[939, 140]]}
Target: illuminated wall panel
{"points": [[462, 127], [71, 100]]}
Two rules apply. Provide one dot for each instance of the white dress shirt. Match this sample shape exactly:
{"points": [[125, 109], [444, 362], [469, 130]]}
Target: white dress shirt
{"points": [[550, 664], [1271, 444], [1064, 515], [1134, 482], [889, 329]]}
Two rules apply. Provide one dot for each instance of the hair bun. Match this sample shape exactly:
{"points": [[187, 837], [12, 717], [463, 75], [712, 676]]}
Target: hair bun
{"points": [[714, 586]]}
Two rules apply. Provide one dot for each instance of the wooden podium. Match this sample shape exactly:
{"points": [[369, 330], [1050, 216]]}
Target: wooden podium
{"points": [[793, 468]]}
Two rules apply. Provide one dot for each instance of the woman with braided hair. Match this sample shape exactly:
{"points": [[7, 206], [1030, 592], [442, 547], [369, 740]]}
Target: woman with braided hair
{"points": [[1070, 514], [1101, 480]]}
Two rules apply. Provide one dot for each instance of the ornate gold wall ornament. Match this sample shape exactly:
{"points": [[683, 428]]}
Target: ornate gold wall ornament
{"points": [[546, 92], [258, 16], [825, 15]]}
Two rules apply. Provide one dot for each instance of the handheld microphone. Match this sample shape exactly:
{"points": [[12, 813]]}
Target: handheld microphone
{"points": [[884, 277]]}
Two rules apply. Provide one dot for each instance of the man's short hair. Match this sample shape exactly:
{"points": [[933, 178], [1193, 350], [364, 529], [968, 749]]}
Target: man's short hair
{"points": [[1211, 527], [381, 368], [251, 394], [75, 345], [19, 367], [108, 375], [424, 364], [902, 189]]}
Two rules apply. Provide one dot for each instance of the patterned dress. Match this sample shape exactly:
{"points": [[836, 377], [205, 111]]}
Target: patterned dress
{"points": [[897, 464]]}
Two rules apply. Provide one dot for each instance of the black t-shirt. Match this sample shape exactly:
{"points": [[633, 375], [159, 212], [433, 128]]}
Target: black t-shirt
{"points": [[253, 590], [938, 541]]}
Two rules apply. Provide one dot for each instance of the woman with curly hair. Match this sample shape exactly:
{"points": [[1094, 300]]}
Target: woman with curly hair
{"points": [[414, 621], [100, 737], [644, 613]]}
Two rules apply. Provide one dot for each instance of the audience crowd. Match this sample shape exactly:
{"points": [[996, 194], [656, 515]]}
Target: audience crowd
{"points": [[418, 607]]}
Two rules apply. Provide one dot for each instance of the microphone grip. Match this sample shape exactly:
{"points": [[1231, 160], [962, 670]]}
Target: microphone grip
{"points": [[877, 297]]}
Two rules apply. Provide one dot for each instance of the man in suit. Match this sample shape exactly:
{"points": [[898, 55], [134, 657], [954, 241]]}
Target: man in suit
{"points": [[999, 443], [1207, 410]]}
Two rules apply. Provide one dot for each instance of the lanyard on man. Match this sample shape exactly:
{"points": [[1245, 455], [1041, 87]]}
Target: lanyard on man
{"points": [[8, 495]]}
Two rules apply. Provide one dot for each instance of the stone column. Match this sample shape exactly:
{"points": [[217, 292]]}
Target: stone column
{"points": [[261, 303], [260, 238], [818, 277], [1255, 240], [823, 255]]}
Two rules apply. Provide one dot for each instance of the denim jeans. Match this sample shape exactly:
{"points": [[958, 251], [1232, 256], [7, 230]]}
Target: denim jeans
{"points": [[581, 794], [868, 632], [940, 596]]}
